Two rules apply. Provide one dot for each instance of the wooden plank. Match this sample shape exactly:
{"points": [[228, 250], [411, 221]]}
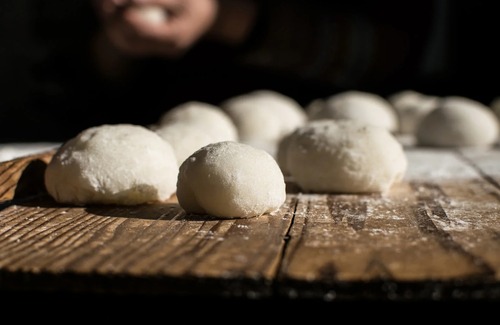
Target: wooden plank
{"points": [[23, 177], [487, 161], [167, 250], [432, 164], [438, 226], [467, 209], [434, 235]]}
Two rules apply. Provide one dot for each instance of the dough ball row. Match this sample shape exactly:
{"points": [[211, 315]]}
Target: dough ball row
{"points": [[449, 121], [231, 160], [124, 164]]}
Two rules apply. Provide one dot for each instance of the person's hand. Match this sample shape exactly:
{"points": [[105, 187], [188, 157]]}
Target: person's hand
{"points": [[156, 27]]}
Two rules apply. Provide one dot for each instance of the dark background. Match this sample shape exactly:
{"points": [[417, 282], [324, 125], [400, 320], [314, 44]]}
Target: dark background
{"points": [[49, 88]]}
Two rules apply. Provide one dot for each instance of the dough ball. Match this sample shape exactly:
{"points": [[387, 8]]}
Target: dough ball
{"points": [[366, 107], [411, 106], [458, 122], [113, 164], [231, 180], [150, 14], [345, 156], [204, 116], [263, 117], [184, 138]]}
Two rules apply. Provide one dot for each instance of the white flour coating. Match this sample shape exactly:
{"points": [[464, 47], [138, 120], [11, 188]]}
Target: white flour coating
{"points": [[113, 164], [437, 164], [230, 180], [486, 159]]}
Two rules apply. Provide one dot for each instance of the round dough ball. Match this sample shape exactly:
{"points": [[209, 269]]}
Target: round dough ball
{"points": [[184, 138], [119, 164], [345, 156], [365, 107], [204, 116], [230, 180], [411, 107], [458, 122], [263, 117]]}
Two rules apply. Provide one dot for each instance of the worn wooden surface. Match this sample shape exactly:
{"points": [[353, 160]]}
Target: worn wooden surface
{"points": [[436, 235]]}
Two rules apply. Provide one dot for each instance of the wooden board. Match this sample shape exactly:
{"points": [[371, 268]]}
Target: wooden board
{"points": [[435, 235]]}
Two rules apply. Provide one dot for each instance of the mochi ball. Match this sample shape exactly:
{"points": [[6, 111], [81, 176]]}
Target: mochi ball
{"points": [[120, 164], [230, 180]]}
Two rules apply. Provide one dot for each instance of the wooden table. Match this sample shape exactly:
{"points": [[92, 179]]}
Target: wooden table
{"points": [[435, 236]]}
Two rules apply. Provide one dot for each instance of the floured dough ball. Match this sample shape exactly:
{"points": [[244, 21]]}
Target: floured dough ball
{"points": [[458, 122], [230, 180], [184, 138], [209, 118], [263, 117], [151, 14], [365, 107], [411, 106], [345, 156], [120, 164]]}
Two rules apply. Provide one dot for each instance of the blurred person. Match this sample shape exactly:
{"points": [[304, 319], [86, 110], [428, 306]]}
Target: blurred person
{"points": [[68, 65]]}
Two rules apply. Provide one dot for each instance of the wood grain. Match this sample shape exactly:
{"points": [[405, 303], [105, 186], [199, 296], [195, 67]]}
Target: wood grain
{"points": [[23, 176], [435, 235]]}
